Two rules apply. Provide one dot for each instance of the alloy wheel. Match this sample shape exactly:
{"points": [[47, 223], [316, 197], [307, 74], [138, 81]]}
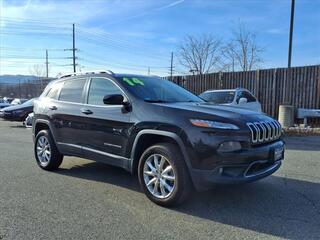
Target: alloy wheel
{"points": [[159, 176], [43, 151]]}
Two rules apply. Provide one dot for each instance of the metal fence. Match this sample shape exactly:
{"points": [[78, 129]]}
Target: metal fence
{"points": [[299, 86]]}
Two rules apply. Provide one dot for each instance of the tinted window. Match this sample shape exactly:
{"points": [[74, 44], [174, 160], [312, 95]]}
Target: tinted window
{"points": [[54, 91], [72, 90], [29, 102], [154, 89], [218, 97], [247, 95], [100, 87]]}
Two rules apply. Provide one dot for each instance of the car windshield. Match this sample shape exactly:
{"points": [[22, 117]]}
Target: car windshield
{"points": [[28, 102], [155, 89], [218, 97]]}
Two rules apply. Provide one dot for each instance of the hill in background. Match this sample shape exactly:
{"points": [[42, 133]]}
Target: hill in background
{"points": [[14, 79]]}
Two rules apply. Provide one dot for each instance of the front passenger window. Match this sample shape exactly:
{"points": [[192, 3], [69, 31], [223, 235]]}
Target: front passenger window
{"points": [[99, 88]]}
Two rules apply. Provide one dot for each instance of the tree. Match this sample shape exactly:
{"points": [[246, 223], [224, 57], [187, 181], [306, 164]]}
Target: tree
{"points": [[242, 51], [38, 70], [200, 54]]}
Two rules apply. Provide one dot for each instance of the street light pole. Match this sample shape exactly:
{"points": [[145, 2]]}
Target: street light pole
{"points": [[291, 32]]}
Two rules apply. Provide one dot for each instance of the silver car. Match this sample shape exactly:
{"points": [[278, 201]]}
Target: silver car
{"points": [[239, 97]]}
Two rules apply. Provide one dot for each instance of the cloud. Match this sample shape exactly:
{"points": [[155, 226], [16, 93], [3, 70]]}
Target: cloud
{"points": [[147, 12], [170, 5], [276, 31], [60, 11], [172, 40]]}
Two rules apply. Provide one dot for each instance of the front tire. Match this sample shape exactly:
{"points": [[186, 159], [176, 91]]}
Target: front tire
{"points": [[46, 152], [163, 175]]}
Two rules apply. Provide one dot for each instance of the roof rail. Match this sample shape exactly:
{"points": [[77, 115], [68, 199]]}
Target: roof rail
{"points": [[85, 73]]}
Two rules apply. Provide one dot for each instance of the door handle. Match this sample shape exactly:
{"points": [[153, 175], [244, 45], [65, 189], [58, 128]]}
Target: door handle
{"points": [[86, 111], [53, 108]]}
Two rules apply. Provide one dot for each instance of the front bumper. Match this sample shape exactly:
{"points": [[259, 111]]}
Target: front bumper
{"points": [[9, 116], [249, 169]]}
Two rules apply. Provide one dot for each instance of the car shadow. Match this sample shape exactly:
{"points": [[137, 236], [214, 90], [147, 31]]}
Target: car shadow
{"points": [[19, 125], [277, 206]]}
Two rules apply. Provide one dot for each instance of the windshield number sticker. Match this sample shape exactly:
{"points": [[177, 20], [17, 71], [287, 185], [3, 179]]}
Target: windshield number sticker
{"points": [[133, 81]]}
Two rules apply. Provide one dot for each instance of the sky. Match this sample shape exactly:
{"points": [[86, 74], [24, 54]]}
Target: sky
{"points": [[138, 36]]}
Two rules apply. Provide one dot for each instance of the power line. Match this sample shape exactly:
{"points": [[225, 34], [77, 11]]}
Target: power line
{"points": [[14, 49], [96, 56]]}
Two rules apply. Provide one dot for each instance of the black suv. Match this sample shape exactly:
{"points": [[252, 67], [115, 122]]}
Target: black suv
{"points": [[171, 138]]}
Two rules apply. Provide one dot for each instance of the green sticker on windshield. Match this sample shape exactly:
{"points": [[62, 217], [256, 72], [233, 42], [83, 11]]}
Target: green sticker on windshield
{"points": [[137, 81], [133, 81], [127, 80]]}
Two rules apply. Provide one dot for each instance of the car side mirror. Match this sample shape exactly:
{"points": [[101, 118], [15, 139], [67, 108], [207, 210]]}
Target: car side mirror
{"points": [[243, 100], [113, 99]]}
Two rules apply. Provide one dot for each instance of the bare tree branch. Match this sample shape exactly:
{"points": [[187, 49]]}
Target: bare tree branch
{"points": [[242, 51], [200, 54], [38, 70]]}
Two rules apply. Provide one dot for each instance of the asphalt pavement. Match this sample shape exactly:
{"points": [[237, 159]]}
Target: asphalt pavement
{"points": [[89, 200]]}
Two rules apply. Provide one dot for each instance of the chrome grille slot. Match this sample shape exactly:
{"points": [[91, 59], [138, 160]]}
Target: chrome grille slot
{"points": [[264, 131]]}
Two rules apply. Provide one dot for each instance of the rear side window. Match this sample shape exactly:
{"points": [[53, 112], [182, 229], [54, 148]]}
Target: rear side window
{"points": [[54, 91], [247, 95], [100, 87], [72, 90]]}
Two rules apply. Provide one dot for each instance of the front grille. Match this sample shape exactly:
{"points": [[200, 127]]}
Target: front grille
{"points": [[264, 131]]}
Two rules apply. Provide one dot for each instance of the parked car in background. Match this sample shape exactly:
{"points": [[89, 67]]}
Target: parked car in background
{"points": [[3, 103], [239, 97], [17, 112], [18, 101], [8, 99], [28, 121]]}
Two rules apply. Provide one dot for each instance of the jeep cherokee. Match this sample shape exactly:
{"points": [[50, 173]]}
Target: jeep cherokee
{"points": [[171, 138]]}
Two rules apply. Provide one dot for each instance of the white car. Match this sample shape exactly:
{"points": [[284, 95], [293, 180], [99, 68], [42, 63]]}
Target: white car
{"points": [[238, 97]]}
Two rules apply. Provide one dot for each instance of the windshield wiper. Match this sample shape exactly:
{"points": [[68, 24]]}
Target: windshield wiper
{"points": [[155, 101]]}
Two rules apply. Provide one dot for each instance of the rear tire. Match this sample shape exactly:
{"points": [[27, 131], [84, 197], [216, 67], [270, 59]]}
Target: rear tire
{"points": [[163, 175], [46, 152]]}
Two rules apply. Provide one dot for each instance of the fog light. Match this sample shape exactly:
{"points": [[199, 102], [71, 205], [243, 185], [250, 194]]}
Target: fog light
{"points": [[229, 146]]}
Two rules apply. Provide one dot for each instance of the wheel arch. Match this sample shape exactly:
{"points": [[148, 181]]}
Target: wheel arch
{"points": [[147, 138], [41, 124]]}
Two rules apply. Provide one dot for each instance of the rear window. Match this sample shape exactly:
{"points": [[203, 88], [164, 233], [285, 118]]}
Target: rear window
{"points": [[72, 90], [220, 97]]}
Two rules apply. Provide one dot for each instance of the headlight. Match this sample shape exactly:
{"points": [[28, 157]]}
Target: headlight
{"points": [[212, 124], [230, 146]]}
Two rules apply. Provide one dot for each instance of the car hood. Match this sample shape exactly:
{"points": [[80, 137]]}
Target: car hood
{"points": [[223, 111], [16, 107]]}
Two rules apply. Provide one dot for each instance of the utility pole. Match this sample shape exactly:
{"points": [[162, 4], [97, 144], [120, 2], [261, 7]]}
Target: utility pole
{"points": [[47, 64], [285, 95], [291, 32], [73, 49], [19, 88], [171, 66]]}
